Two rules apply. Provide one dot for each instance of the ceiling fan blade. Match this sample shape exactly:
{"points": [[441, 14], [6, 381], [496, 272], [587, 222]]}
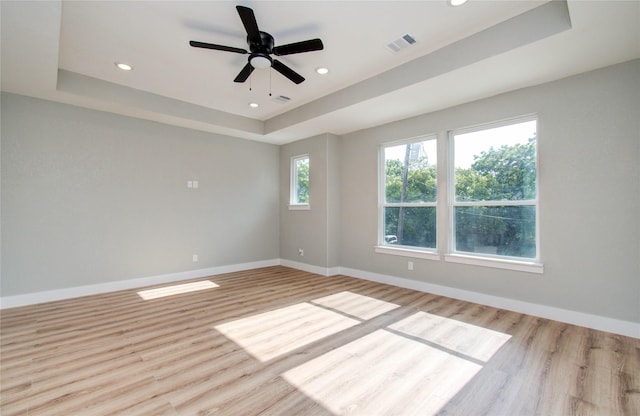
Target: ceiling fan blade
{"points": [[299, 47], [287, 72], [197, 44], [250, 24], [244, 74]]}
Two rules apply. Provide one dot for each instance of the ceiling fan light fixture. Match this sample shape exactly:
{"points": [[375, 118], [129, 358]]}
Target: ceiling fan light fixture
{"points": [[322, 70], [260, 61]]}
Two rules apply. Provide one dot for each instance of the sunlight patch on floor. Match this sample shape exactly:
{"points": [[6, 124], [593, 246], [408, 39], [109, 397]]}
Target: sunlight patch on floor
{"points": [[359, 306], [382, 371], [402, 367], [165, 291], [471, 340], [271, 334]]}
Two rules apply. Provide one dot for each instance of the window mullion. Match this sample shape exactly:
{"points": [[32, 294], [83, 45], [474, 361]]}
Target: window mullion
{"points": [[522, 202]]}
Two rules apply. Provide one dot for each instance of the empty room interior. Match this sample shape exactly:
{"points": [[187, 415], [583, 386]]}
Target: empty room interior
{"points": [[320, 208]]}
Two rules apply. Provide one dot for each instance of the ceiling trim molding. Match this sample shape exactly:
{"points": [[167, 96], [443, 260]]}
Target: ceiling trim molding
{"points": [[539, 23], [162, 108]]}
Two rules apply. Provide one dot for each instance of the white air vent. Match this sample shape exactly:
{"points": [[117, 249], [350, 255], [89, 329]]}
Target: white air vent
{"points": [[401, 43], [281, 99]]}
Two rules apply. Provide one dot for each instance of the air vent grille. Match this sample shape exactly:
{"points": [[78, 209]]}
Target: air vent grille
{"points": [[401, 43], [281, 99]]}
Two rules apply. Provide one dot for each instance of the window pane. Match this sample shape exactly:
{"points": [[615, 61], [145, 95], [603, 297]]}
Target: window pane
{"points": [[496, 164], [410, 172], [302, 180], [410, 226], [502, 230]]}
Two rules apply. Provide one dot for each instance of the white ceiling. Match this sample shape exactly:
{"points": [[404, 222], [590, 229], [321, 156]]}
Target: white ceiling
{"points": [[65, 51]]}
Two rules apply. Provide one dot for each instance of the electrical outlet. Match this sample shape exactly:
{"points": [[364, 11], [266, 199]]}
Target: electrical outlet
{"points": [[410, 265], [195, 258], [301, 252]]}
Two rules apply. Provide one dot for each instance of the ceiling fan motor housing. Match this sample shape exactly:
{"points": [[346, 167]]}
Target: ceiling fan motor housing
{"points": [[264, 45]]}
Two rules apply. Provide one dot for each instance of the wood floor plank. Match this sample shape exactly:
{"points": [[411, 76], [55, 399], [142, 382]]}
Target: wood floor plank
{"points": [[278, 341]]}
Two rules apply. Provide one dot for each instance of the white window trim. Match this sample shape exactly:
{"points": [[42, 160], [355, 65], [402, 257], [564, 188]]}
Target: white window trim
{"points": [[496, 262], [533, 265], [429, 253], [446, 206], [407, 251], [299, 207], [294, 205]]}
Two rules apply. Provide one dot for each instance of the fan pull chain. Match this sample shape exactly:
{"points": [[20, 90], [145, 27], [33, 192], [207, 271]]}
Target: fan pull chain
{"points": [[270, 71]]}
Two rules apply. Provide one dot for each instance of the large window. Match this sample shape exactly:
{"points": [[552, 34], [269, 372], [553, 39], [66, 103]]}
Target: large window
{"points": [[489, 209], [494, 192], [408, 194], [299, 193]]}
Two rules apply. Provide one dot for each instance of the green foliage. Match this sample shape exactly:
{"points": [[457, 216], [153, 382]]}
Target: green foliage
{"points": [[421, 183], [504, 174], [419, 226], [302, 169], [411, 226], [502, 230]]}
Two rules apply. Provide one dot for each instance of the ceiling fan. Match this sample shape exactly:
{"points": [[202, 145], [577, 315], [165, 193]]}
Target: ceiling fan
{"points": [[261, 46]]}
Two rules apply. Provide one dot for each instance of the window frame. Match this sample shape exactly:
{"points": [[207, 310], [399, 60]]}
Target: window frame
{"points": [[294, 204], [486, 259], [430, 253], [445, 209]]}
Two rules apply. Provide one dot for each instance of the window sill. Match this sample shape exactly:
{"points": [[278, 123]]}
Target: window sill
{"points": [[521, 266], [407, 252], [299, 207]]}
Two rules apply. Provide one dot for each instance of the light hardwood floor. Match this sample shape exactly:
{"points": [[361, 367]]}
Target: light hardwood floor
{"points": [[278, 341]]}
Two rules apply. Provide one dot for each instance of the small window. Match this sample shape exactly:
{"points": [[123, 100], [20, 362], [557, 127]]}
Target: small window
{"points": [[299, 194], [495, 199], [408, 194]]}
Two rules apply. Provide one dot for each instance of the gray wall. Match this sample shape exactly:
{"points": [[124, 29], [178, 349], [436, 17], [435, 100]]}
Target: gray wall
{"points": [[316, 230], [90, 197], [589, 169]]}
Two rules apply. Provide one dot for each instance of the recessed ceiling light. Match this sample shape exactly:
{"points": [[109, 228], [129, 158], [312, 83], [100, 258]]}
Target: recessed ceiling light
{"points": [[124, 67], [254, 105], [322, 71], [457, 2]]}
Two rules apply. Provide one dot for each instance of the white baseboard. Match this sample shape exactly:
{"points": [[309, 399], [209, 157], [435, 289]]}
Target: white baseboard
{"points": [[324, 271], [74, 292], [616, 326]]}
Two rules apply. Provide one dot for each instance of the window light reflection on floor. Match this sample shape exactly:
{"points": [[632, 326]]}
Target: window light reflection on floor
{"points": [[474, 342], [267, 335], [400, 366], [165, 291], [356, 305]]}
